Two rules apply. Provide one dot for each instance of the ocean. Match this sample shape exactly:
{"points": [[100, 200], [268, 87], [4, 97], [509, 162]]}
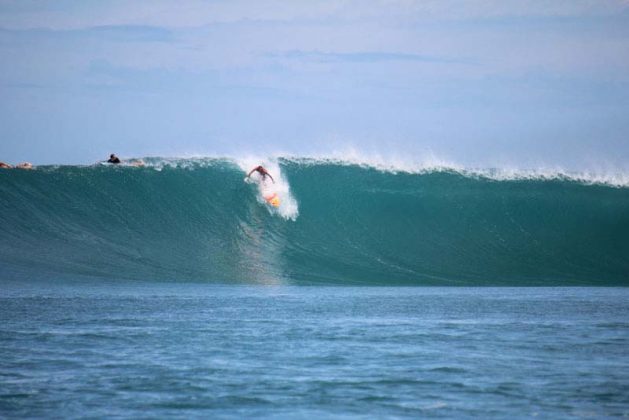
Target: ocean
{"points": [[196, 220], [175, 291]]}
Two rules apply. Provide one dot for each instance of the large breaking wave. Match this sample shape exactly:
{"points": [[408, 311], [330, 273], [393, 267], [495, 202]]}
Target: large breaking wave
{"points": [[340, 223]]}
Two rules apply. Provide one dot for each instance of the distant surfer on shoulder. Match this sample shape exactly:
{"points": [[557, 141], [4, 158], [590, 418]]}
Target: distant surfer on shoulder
{"points": [[113, 159], [263, 172]]}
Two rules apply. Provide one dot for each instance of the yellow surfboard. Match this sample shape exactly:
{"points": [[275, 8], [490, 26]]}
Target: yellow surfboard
{"points": [[273, 199]]}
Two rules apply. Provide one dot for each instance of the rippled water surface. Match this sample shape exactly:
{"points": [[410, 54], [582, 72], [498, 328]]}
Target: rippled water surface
{"points": [[193, 350]]}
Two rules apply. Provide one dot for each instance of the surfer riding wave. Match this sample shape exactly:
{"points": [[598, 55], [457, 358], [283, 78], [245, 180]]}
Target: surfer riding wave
{"points": [[269, 195], [263, 172]]}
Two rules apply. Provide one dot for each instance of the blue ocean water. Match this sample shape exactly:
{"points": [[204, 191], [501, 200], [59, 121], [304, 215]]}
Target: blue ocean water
{"points": [[182, 350], [175, 290], [196, 220]]}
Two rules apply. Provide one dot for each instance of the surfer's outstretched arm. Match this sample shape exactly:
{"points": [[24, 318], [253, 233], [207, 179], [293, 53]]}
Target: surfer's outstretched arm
{"points": [[262, 172]]}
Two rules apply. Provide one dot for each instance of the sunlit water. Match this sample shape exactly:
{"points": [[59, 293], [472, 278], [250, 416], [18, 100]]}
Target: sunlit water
{"points": [[195, 350]]}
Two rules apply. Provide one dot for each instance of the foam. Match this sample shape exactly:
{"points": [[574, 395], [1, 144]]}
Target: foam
{"points": [[429, 163], [607, 175]]}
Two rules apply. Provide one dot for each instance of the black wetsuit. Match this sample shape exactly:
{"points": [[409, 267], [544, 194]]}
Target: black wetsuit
{"points": [[113, 160]]}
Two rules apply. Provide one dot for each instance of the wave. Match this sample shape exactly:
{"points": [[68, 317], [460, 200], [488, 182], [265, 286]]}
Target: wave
{"points": [[341, 221]]}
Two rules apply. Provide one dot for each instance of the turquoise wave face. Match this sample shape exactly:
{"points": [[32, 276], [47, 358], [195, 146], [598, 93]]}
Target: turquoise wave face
{"points": [[349, 225]]}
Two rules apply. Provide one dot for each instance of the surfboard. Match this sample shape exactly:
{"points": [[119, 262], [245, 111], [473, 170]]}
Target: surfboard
{"points": [[273, 199], [266, 191]]}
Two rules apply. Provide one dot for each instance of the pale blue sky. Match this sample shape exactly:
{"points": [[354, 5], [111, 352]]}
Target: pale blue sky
{"points": [[476, 82]]}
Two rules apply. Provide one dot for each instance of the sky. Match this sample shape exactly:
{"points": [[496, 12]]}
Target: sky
{"points": [[479, 82]]}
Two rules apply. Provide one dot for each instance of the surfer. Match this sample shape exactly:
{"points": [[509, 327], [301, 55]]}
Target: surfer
{"points": [[260, 169], [113, 159]]}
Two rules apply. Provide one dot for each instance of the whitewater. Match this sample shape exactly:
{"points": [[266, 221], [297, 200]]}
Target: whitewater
{"points": [[341, 222]]}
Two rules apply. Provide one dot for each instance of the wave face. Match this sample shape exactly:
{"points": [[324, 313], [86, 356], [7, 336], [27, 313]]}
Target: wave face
{"points": [[196, 220]]}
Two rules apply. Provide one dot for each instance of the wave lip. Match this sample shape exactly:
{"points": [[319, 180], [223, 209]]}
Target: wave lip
{"points": [[611, 177], [340, 222]]}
